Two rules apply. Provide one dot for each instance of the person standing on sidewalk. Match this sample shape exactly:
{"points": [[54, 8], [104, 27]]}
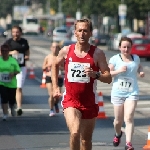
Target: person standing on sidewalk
{"points": [[84, 65], [47, 64], [19, 49], [8, 83], [125, 92]]}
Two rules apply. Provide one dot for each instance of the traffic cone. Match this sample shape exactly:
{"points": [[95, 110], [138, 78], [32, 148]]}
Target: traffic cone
{"points": [[101, 113], [147, 147], [43, 85], [31, 73]]}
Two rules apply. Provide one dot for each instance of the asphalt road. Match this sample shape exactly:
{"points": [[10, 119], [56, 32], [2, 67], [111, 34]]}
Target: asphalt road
{"points": [[35, 130]]}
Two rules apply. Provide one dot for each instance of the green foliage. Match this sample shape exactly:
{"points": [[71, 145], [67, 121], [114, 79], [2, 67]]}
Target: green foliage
{"points": [[135, 8], [6, 7]]}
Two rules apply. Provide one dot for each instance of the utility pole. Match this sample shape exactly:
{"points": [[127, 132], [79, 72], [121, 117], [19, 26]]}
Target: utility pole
{"points": [[122, 1], [59, 6], [78, 13], [27, 2], [122, 11], [78, 5], [48, 7]]}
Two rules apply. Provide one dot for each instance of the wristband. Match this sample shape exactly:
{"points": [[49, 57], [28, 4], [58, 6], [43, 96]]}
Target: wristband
{"points": [[98, 74]]}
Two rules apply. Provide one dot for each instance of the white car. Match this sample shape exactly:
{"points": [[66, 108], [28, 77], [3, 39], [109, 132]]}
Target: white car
{"points": [[30, 25], [60, 34], [113, 43], [134, 35]]}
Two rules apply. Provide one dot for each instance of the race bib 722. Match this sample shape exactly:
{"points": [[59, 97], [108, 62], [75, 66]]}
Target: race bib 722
{"points": [[76, 72]]}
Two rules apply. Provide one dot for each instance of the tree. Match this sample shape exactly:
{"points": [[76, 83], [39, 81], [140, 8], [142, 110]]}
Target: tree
{"points": [[6, 7]]}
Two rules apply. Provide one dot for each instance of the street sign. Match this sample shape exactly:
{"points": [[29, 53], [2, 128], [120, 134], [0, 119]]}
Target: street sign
{"points": [[122, 20], [20, 11], [122, 10], [78, 15]]}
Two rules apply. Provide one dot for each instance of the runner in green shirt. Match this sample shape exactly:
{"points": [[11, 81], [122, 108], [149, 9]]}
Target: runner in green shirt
{"points": [[8, 69]]}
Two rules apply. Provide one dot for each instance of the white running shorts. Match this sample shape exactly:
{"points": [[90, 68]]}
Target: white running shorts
{"points": [[120, 100], [21, 77]]}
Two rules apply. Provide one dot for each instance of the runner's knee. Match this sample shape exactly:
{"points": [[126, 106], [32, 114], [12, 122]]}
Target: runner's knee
{"points": [[117, 121], [19, 89], [75, 136], [86, 141], [128, 119]]}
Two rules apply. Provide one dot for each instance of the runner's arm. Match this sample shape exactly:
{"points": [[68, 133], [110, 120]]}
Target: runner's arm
{"points": [[140, 68], [27, 54], [13, 52], [140, 71], [57, 61], [114, 72], [44, 63], [105, 75]]}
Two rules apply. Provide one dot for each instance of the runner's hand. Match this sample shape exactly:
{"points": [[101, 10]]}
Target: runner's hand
{"points": [[14, 52], [11, 75], [123, 69], [56, 92], [89, 72], [141, 74]]}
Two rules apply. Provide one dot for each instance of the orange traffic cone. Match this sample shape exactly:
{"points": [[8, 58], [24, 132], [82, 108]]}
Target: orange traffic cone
{"points": [[31, 73], [147, 147], [43, 85], [101, 113]]}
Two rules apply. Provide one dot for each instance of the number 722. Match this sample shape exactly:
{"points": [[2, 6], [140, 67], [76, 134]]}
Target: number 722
{"points": [[78, 73]]}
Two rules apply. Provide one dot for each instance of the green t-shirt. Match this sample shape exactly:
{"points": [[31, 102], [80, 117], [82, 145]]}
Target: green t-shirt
{"points": [[6, 67]]}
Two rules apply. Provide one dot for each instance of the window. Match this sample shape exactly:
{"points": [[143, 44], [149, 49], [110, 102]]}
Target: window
{"points": [[32, 21], [141, 41], [61, 31]]}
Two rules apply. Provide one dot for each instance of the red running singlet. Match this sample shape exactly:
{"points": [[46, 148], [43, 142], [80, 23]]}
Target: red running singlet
{"points": [[80, 90]]}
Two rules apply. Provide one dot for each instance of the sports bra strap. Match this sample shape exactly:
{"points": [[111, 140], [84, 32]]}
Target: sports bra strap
{"points": [[131, 57]]}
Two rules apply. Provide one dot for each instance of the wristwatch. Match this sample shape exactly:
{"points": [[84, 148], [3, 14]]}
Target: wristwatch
{"points": [[98, 74]]}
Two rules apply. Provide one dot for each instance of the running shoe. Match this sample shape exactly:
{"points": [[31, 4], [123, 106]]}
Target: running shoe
{"points": [[129, 146], [5, 117], [19, 112], [56, 108], [51, 113], [117, 140]]}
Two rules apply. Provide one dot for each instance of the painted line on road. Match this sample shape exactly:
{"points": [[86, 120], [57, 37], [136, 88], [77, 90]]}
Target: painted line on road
{"points": [[143, 109], [143, 102]]}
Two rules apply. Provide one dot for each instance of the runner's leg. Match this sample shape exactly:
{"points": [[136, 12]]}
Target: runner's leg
{"points": [[87, 127], [50, 92], [118, 120], [129, 109], [73, 120]]}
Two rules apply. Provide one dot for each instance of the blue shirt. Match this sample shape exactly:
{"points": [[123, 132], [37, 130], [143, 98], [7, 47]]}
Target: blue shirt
{"points": [[125, 84]]}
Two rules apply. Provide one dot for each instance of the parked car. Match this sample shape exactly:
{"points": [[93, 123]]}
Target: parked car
{"points": [[66, 43], [3, 32], [134, 34], [113, 43], [100, 39], [141, 47], [60, 34]]}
